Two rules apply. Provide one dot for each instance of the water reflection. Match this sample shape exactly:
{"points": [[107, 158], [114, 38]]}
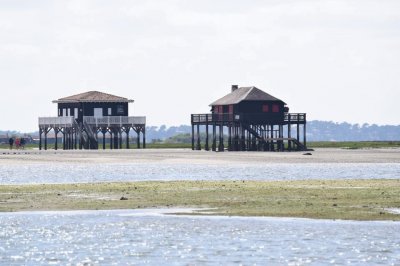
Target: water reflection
{"points": [[80, 172], [129, 237]]}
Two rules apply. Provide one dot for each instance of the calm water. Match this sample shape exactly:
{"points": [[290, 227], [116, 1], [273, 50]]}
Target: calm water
{"points": [[131, 237], [79, 172]]}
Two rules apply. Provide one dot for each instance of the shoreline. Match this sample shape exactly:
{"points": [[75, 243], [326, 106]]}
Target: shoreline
{"points": [[184, 213], [361, 200], [187, 156]]}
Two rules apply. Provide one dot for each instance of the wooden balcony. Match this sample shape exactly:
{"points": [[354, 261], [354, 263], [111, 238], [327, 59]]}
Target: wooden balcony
{"points": [[106, 121], [288, 118], [62, 121]]}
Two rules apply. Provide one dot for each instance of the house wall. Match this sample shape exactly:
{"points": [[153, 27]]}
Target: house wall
{"points": [[268, 111], [87, 109]]}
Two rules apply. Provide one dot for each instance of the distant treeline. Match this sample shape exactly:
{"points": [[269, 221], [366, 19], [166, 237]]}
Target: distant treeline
{"points": [[316, 131]]}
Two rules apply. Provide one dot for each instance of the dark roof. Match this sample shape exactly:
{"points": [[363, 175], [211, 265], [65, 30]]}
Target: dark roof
{"points": [[245, 94], [93, 96]]}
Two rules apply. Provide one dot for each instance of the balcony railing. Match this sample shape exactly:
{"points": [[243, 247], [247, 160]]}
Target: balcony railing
{"points": [[62, 121], [225, 117], [115, 120], [68, 121]]}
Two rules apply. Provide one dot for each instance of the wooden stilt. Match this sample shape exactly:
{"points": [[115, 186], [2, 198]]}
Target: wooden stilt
{"points": [[40, 138], [138, 138], [127, 137], [221, 138], [214, 138], [45, 139], [192, 137], [206, 145], [56, 139], [144, 136], [198, 145]]}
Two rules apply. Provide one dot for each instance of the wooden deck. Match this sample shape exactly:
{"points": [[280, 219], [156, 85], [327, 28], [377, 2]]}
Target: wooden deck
{"points": [[203, 119]]}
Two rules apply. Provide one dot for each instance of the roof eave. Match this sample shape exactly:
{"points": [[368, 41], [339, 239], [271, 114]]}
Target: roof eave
{"points": [[92, 101]]}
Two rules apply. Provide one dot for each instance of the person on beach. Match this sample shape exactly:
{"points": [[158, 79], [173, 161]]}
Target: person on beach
{"points": [[22, 143], [17, 143], [11, 142]]}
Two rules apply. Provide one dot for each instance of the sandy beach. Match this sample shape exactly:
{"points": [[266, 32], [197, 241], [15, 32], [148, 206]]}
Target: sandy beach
{"points": [[186, 156]]}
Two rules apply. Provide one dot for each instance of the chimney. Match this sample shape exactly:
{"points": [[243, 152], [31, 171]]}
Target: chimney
{"points": [[234, 87]]}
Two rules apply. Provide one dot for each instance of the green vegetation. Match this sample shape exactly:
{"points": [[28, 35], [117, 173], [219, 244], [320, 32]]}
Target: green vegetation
{"points": [[354, 144], [329, 199]]}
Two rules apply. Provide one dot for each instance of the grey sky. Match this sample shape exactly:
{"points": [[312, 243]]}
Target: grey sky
{"points": [[335, 60]]}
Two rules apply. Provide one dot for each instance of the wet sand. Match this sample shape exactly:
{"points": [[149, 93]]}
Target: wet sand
{"points": [[186, 156]]}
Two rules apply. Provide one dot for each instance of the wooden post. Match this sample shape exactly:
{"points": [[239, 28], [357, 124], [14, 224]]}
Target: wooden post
{"points": [[138, 138], [45, 139], [198, 145], [214, 137], [304, 135], [104, 138], [192, 137], [80, 139], [75, 139], [229, 138], [127, 137], [40, 138], [111, 139], [120, 138], [206, 145], [221, 138], [289, 134], [144, 136], [56, 140], [70, 139]]}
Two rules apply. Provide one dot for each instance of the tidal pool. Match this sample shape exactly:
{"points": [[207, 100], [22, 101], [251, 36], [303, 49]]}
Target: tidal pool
{"points": [[146, 237], [58, 172]]}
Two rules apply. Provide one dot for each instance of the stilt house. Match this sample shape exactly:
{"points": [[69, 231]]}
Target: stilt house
{"points": [[83, 116], [253, 120]]}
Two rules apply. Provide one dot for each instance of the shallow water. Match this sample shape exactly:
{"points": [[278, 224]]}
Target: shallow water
{"points": [[80, 172], [137, 237]]}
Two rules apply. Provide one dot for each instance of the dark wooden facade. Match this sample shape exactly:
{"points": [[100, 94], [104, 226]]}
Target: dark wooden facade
{"points": [[81, 109], [252, 120], [82, 117]]}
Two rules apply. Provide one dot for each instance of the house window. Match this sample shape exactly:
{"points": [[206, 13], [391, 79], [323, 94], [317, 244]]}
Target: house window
{"points": [[109, 111], [265, 108], [98, 112], [230, 109], [64, 112], [120, 109], [76, 113], [275, 108]]}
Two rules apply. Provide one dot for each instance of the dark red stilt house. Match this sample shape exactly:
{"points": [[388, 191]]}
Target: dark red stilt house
{"points": [[252, 120]]}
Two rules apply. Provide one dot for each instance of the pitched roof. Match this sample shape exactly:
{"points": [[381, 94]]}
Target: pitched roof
{"points": [[245, 94], [93, 96]]}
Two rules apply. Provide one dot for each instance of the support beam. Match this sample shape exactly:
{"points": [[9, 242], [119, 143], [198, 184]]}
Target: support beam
{"points": [[192, 137], [214, 138], [198, 145], [206, 145], [221, 138], [56, 140], [40, 138], [127, 137], [144, 136]]}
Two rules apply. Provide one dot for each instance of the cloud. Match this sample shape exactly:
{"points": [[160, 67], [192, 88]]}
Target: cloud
{"points": [[155, 51]]}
